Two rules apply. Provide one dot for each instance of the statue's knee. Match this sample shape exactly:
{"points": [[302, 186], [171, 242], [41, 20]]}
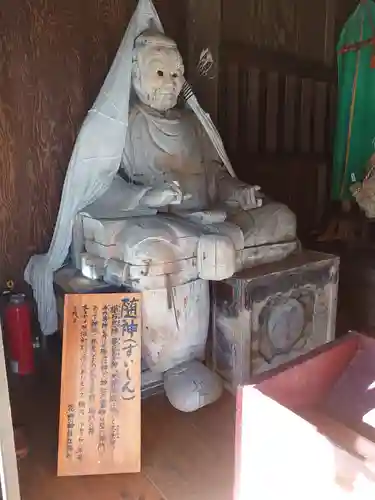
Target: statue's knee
{"points": [[156, 251], [287, 222]]}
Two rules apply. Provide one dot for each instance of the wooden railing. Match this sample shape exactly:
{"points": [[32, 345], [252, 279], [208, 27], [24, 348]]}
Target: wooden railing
{"points": [[276, 115]]}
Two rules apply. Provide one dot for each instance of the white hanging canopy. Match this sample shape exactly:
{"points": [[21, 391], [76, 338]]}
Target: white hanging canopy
{"points": [[95, 161]]}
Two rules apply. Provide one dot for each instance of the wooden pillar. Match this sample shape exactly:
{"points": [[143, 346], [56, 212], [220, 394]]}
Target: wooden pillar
{"points": [[203, 31], [330, 32]]}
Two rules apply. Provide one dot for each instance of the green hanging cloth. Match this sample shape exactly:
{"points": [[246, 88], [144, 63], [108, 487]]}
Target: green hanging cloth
{"points": [[355, 126]]}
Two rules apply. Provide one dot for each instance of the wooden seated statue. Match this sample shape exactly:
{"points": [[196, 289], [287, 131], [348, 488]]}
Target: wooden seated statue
{"points": [[173, 219]]}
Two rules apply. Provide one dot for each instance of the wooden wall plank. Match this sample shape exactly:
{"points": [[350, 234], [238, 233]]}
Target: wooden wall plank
{"points": [[320, 116], [290, 100], [331, 9], [252, 109], [299, 27], [306, 115], [272, 109], [204, 31], [54, 58], [233, 106]]}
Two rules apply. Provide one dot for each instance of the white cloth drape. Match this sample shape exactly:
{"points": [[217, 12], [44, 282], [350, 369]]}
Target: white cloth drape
{"points": [[94, 163], [96, 158]]}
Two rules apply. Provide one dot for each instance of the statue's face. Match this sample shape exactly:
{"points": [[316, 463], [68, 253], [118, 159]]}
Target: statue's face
{"points": [[158, 76]]}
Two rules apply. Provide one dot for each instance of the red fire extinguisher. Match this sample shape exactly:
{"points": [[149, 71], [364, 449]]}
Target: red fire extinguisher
{"points": [[18, 335]]}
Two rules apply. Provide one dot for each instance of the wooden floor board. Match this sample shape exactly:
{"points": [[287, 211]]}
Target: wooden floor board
{"points": [[187, 454], [184, 456]]}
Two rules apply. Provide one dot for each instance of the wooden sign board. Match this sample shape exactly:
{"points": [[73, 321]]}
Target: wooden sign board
{"points": [[100, 404]]}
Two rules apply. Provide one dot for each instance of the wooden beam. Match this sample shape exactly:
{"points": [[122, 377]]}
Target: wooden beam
{"points": [[330, 32], [203, 31]]}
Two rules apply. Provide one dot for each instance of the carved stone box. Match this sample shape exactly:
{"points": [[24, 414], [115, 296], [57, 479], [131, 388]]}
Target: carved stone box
{"points": [[307, 429], [270, 314]]}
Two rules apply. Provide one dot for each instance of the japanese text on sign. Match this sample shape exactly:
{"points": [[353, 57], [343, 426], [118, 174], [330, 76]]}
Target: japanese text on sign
{"points": [[94, 405]]}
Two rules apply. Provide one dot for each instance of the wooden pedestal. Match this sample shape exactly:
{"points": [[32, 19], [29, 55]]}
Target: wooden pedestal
{"points": [[270, 314]]}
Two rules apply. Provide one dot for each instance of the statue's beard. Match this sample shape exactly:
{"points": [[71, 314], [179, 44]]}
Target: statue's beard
{"points": [[159, 99]]}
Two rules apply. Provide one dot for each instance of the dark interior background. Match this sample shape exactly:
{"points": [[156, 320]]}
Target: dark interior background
{"points": [[54, 57]]}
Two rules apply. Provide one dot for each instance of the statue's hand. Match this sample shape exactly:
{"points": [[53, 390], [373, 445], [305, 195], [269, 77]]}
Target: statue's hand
{"points": [[162, 196], [249, 197]]}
